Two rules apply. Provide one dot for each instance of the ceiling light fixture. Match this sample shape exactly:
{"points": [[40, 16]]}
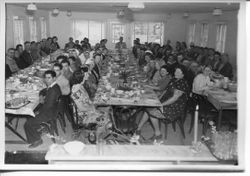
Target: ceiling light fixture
{"points": [[217, 12], [55, 11], [31, 7], [185, 15], [120, 14], [136, 6]]}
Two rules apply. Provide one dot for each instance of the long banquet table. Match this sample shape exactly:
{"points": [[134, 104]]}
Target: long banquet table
{"points": [[112, 90], [25, 84]]}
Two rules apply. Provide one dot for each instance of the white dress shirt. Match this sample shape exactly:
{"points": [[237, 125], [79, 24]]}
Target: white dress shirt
{"points": [[201, 83]]}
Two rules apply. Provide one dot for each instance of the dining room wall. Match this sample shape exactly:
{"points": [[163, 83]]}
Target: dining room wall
{"points": [[13, 10], [174, 24]]}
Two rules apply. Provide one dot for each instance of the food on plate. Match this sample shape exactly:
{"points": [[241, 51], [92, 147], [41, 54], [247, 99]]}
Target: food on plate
{"points": [[17, 102]]}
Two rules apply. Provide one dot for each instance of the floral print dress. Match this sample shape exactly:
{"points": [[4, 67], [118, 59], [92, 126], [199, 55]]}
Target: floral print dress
{"points": [[174, 110]]}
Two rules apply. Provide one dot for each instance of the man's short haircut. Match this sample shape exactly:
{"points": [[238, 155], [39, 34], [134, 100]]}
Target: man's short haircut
{"points": [[11, 49], [58, 65], [50, 72], [18, 45], [26, 42], [61, 57], [65, 61], [72, 57]]}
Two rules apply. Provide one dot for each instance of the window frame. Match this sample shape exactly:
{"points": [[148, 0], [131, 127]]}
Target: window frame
{"points": [[103, 29], [15, 38], [113, 40], [192, 39], [204, 39], [33, 28], [147, 30], [43, 24], [222, 40]]}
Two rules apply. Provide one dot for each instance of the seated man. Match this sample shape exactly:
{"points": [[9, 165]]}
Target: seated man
{"points": [[61, 80], [70, 44], [46, 113], [67, 72], [26, 58], [120, 44], [10, 61]]}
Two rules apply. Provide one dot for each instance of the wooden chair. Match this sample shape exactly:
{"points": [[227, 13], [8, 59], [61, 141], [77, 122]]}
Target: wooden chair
{"points": [[51, 127], [125, 118], [179, 120]]}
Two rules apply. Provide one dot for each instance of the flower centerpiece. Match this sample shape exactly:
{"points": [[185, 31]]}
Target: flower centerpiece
{"points": [[222, 144]]}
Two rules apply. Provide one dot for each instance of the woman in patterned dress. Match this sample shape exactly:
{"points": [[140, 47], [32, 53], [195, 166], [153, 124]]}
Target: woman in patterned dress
{"points": [[173, 100]]}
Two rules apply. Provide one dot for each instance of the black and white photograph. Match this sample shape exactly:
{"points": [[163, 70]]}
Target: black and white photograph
{"points": [[124, 85]]}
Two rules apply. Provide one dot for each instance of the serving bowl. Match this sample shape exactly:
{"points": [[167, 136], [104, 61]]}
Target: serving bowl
{"points": [[74, 147]]}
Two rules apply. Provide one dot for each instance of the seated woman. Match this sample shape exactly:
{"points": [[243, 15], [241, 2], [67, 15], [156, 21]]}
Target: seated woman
{"points": [[150, 69], [173, 100], [202, 81], [162, 81]]}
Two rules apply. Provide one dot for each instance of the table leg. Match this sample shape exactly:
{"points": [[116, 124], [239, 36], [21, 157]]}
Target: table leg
{"points": [[219, 119], [15, 132], [112, 117]]}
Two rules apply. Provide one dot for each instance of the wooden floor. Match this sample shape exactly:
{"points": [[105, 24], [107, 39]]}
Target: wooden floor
{"points": [[17, 151], [13, 143]]}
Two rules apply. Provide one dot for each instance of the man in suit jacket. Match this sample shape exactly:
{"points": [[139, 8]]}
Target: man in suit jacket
{"points": [[25, 58], [47, 112]]}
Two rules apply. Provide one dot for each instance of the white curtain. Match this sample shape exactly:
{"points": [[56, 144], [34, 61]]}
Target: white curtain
{"points": [[43, 28], [221, 37], [33, 29], [191, 33], [204, 34], [18, 30], [94, 30]]}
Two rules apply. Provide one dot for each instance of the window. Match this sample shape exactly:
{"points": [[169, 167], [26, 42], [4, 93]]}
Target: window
{"points": [[18, 30], [221, 37], [94, 30], [117, 32], [43, 28], [148, 32], [33, 29], [204, 35], [191, 33]]}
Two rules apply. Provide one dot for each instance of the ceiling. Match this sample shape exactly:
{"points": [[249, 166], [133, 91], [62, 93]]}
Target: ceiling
{"points": [[150, 7]]}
